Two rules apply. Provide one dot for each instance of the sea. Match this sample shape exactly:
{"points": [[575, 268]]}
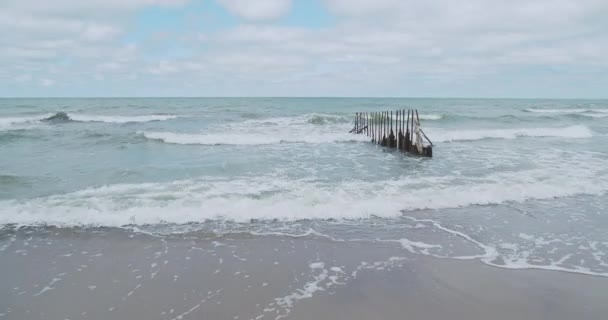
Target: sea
{"points": [[513, 183]]}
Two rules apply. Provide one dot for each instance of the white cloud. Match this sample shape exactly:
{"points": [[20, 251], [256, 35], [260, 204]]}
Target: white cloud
{"points": [[164, 67], [257, 10], [46, 82], [88, 6], [23, 78], [99, 32], [392, 47]]}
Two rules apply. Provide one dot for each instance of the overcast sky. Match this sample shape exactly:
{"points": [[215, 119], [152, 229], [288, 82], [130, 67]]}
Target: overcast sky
{"points": [[434, 48]]}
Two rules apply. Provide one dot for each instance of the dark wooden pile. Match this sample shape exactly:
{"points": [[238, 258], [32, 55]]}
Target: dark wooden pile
{"points": [[394, 129]]}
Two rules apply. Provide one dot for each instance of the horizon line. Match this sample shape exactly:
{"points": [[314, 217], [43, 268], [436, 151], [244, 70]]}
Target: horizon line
{"points": [[301, 97]]}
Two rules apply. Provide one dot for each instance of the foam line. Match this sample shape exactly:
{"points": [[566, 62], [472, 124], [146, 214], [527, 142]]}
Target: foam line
{"points": [[571, 132]]}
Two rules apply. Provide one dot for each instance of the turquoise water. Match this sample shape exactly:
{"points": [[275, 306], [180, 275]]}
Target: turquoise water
{"points": [[513, 183]]}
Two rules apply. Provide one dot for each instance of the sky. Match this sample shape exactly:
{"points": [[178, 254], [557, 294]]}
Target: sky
{"points": [[343, 48]]}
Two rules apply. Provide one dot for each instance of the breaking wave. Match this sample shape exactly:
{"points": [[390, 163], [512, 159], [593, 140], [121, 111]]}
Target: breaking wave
{"points": [[431, 116], [10, 123], [271, 197], [572, 132], [120, 119], [251, 139], [16, 122], [567, 111], [322, 119]]}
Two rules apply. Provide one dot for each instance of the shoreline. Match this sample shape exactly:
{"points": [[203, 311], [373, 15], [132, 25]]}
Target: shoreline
{"points": [[101, 274]]}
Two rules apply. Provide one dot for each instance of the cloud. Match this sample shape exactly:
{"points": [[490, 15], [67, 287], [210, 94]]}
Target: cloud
{"points": [[258, 10], [46, 82], [23, 78], [66, 7], [380, 47], [97, 32]]}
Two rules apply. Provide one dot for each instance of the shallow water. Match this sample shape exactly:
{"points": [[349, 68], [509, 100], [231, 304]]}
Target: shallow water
{"points": [[513, 183]]}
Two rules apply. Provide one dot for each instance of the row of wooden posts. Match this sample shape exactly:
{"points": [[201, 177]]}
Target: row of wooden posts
{"points": [[394, 129]]}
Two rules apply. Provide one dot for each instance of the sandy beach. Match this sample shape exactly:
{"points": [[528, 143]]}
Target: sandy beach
{"points": [[119, 274]]}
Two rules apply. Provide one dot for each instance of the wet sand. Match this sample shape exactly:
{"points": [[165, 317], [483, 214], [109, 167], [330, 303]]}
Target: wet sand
{"points": [[117, 274]]}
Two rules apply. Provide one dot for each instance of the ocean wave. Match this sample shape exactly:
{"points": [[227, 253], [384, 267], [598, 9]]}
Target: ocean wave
{"points": [[572, 132], [595, 115], [576, 110], [318, 119], [17, 122], [270, 197], [12, 123], [8, 180], [250, 139], [11, 135], [431, 116], [322, 119], [120, 119]]}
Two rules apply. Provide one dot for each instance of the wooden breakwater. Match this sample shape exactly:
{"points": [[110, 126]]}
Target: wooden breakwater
{"points": [[394, 129]]}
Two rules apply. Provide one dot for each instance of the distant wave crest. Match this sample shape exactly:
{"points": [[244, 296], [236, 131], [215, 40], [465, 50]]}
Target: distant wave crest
{"points": [[121, 119], [320, 119], [18, 122], [567, 111], [572, 132], [250, 139]]}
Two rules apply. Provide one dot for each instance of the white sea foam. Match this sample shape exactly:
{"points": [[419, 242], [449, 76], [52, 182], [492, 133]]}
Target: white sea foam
{"points": [[9, 123], [119, 119], [316, 284], [409, 245], [18, 122], [596, 115], [431, 116], [275, 197], [312, 128], [576, 110], [252, 138], [515, 260], [571, 132]]}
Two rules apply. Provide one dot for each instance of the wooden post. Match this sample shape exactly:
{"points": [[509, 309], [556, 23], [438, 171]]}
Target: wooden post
{"points": [[380, 126], [381, 136], [404, 131], [407, 132], [393, 138], [403, 124], [377, 127], [397, 129], [399, 138], [374, 126], [387, 132], [400, 143], [384, 129], [420, 151], [412, 133], [371, 128]]}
